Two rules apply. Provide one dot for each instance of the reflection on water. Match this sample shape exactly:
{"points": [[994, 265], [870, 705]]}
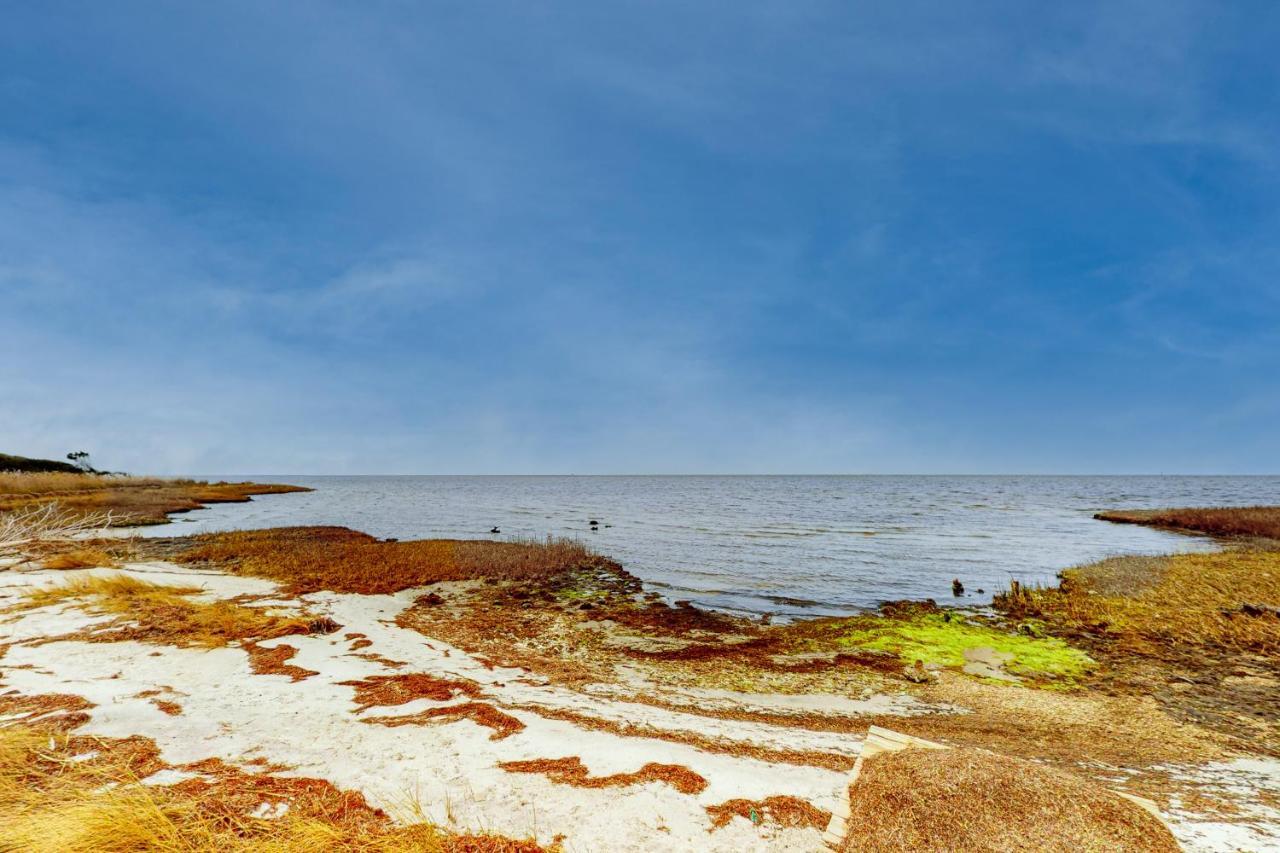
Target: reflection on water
{"points": [[799, 545]]}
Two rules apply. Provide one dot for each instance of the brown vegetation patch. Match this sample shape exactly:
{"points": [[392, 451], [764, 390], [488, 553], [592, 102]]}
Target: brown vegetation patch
{"points": [[659, 617], [571, 771], [960, 799], [760, 650], [273, 660], [379, 659], [173, 709], [78, 558], [1253, 522], [387, 690], [574, 648], [503, 725], [130, 500], [309, 559], [50, 711], [503, 636], [82, 793], [226, 794], [358, 641], [785, 811]]}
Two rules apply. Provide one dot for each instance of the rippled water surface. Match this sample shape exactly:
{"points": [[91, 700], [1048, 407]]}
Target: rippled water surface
{"points": [[798, 545]]}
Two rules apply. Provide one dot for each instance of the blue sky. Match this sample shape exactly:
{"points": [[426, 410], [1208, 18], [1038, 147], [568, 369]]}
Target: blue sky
{"points": [[641, 237]]}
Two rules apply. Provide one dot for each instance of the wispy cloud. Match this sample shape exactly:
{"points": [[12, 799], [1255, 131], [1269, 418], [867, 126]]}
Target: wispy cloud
{"points": [[674, 237]]}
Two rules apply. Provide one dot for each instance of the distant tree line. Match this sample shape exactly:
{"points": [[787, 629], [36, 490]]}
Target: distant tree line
{"points": [[78, 463]]}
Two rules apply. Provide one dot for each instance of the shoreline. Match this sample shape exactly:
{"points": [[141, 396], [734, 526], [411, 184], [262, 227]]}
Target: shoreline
{"points": [[735, 560], [580, 663]]}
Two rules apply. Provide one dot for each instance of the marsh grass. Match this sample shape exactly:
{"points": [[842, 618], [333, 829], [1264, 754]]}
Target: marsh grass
{"points": [[166, 614], [1180, 603], [1259, 522], [78, 558], [309, 559], [53, 800], [129, 500]]}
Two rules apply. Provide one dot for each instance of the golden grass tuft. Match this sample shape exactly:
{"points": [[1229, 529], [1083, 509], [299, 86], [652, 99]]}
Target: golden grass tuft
{"points": [[1259, 522], [130, 500], [53, 800], [966, 799], [309, 559], [78, 558], [571, 771], [157, 613]]}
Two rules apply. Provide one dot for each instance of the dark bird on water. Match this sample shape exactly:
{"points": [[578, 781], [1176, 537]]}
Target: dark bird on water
{"points": [[495, 530]]}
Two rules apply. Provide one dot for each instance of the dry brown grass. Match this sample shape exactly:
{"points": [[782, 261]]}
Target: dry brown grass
{"points": [[130, 500], [165, 614], [503, 725], [309, 559], [783, 811], [1260, 522], [571, 771], [57, 712], [54, 800], [274, 660], [36, 484], [391, 690], [961, 800], [78, 558]]}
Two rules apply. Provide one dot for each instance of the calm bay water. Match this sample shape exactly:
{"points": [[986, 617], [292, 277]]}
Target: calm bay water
{"points": [[797, 545]]}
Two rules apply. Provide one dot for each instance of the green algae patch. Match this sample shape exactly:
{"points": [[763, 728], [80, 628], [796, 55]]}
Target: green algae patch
{"points": [[943, 637]]}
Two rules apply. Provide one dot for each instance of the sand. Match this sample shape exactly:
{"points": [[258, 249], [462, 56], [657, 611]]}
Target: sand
{"points": [[450, 768]]}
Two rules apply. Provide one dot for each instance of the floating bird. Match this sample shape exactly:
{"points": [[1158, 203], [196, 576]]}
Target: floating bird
{"points": [[495, 530]]}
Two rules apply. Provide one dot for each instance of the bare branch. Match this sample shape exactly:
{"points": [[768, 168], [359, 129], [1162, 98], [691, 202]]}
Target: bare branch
{"points": [[47, 522]]}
